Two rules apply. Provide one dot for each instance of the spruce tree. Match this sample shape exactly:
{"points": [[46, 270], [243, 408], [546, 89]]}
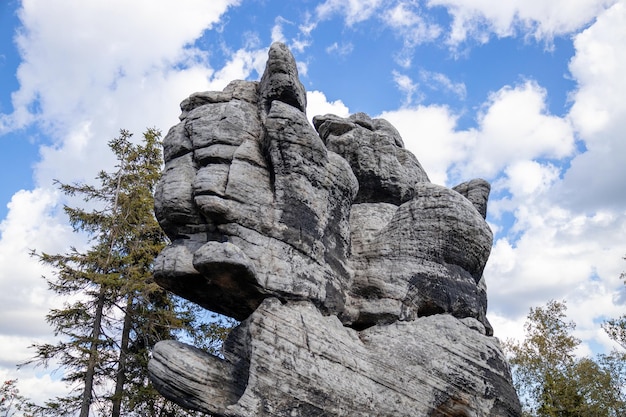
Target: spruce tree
{"points": [[116, 312]]}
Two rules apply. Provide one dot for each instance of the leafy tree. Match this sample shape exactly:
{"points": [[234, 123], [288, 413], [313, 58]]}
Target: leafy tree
{"points": [[616, 328], [540, 363], [615, 362], [552, 381], [10, 399], [115, 312]]}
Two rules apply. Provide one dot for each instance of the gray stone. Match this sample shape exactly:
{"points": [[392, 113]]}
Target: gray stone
{"points": [[260, 178], [290, 360], [358, 282], [409, 263], [477, 192], [280, 81], [374, 149]]}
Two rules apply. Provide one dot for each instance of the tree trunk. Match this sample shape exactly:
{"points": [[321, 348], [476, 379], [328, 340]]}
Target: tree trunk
{"points": [[93, 355], [120, 379]]}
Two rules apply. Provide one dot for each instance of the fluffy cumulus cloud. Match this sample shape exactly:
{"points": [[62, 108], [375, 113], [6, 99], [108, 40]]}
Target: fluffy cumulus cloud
{"points": [[558, 255], [543, 20], [33, 222], [557, 202], [567, 238], [515, 125], [430, 133], [512, 126], [599, 114], [79, 87], [110, 75], [109, 42], [318, 104]]}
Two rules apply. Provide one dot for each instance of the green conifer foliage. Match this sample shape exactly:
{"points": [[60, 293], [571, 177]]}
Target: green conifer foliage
{"points": [[115, 312]]}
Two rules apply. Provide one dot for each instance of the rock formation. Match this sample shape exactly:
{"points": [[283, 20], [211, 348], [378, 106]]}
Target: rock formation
{"points": [[358, 282]]}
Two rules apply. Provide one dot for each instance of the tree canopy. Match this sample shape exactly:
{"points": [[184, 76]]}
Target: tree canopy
{"points": [[552, 381], [115, 312]]}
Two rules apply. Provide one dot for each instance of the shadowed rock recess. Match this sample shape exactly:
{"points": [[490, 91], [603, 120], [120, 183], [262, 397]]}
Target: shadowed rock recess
{"points": [[358, 282]]}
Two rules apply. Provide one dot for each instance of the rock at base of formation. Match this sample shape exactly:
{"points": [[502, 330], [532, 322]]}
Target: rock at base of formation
{"points": [[358, 282]]}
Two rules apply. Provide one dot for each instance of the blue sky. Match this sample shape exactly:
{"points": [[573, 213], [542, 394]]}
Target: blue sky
{"points": [[527, 94]]}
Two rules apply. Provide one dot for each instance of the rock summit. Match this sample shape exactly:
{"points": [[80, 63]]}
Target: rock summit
{"points": [[357, 281]]}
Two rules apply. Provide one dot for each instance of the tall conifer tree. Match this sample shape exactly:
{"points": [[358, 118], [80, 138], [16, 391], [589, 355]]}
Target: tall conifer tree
{"points": [[117, 312]]}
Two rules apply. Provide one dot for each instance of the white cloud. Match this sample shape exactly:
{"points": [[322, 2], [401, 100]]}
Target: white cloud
{"points": [[408, 87], [598, 68], [542, 20], [596, 177], [33, 222], [298, 43], [407, 18], [109, 41], [81, 86], [568, 238], [318, 105], [430, 133], [505, 327], [439, 81], [402, 16], [277, 30], [111, 76], [354, 11], [36, 387], [530, 178], [242, 65], [515, 125], [558, 255]]}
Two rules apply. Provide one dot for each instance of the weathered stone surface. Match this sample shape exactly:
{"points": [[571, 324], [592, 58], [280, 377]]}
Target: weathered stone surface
{"points": [[260, 178], [374, 149], [477, 192], [300, 363], [358, 282], [280, 81], [415, 264]]}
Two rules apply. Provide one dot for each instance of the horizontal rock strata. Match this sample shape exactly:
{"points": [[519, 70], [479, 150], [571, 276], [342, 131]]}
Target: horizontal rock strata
{"points": [[358, 282], [301, 363]]}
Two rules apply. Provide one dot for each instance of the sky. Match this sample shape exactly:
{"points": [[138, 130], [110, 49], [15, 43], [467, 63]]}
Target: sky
{"points": [[527, 94]]}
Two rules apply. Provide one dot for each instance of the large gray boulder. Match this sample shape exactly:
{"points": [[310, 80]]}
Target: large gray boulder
{"points": [[358, 282], [253, 201], [290, 360]]}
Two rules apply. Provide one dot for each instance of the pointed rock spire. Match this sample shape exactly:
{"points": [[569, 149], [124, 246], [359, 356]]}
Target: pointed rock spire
{"points": [[280, 80]]}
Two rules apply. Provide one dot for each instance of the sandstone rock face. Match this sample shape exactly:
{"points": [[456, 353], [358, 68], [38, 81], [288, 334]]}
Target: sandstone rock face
{"points": [[358, 282]]}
